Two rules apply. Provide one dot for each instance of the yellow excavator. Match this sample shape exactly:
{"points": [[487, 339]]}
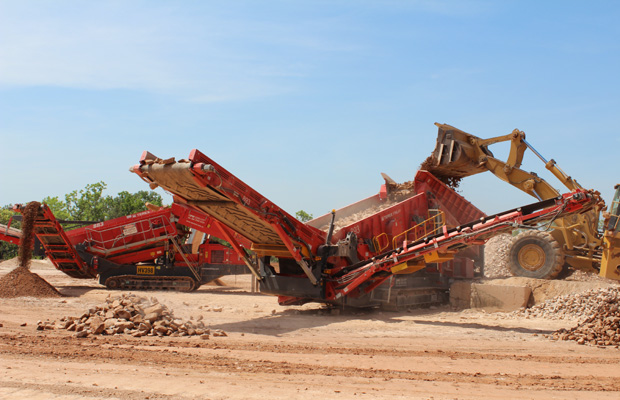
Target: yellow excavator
{"points": [[574, 240]]}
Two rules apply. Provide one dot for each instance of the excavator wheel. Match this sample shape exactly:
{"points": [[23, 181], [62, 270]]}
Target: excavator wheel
{"points": [[535, 254]]}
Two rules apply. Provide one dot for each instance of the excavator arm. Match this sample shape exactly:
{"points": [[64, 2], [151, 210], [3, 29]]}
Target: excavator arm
{"points": [[459, 154]]}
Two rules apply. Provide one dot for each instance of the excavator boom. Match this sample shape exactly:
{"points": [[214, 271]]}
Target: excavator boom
{"points": [[459, 154]]}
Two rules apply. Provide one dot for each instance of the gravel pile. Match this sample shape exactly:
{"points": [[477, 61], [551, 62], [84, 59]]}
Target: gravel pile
{"points": [[496, 257], [353, 218], [602, 328], [582, 276], [131, 315], [578, 306], [22, 283], [398, 192]]}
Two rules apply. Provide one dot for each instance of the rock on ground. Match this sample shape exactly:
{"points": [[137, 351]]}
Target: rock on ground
{"points": [[132, 315]]}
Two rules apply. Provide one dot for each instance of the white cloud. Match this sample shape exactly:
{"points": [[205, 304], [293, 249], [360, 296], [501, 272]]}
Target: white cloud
{"points": [[84, 49], [142, 46], [200, 51]]}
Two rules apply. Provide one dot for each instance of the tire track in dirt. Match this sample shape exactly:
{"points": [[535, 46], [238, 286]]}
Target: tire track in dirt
{"points": [[64, 390], [166, 353]]}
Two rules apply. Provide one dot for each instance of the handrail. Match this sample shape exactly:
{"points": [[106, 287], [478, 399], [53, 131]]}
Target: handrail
{"points": [[437, 221], [377, 244], [146, 231]]}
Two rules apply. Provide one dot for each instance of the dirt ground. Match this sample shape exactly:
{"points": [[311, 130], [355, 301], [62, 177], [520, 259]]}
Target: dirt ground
{"points": [[306, 352]]}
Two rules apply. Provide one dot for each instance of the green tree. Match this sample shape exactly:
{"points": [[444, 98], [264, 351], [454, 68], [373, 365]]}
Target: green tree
{"points": [[8, 250], [88, 204], [5, 216], [126, 203], [303, 216], [58, 207]]}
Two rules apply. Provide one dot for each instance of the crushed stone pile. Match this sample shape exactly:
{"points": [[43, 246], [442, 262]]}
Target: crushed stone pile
{"points": [[133, 315], [20, 282], [601, 328], [353, 218], [398, 192], [582, 276], [578, 306], [496, 256]]}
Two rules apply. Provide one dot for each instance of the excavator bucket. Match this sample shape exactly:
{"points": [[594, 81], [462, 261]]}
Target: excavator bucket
{"points": [[454, 157]]}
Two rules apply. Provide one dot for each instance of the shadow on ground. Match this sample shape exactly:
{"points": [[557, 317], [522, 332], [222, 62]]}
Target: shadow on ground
{"points": [[291, 320]]}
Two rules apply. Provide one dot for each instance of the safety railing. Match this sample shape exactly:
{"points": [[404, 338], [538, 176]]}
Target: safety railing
{"points": [[131, 235], [381, 242], [430, 226]]}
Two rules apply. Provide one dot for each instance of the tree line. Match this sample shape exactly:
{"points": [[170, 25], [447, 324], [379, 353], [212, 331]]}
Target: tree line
{"points": [[88, 204]]}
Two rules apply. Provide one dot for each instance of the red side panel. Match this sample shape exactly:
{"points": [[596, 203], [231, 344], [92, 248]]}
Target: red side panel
{"points": [[126, 234], [9, 235], [392, 221], [458, 210], [202, 222]]}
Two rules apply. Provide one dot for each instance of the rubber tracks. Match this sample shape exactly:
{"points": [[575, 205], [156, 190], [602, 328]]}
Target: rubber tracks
{"points": [[137, 282]]}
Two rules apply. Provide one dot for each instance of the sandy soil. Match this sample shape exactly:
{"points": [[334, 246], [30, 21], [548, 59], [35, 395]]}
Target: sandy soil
{"points": [[306, 352]]}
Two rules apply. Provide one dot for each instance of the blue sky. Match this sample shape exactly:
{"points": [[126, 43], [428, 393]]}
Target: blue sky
{"points": [[307, 101]]}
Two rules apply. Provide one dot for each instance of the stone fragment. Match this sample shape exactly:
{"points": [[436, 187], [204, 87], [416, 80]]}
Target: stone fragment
{"points": [[98, 328], [151, 317], [144, 326], [124, 325], [154, 309], [82, 334], [123, 314], [160, 329], [110, 322]]}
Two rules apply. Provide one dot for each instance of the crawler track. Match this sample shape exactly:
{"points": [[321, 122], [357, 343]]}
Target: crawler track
{"points": [[137, 282]]}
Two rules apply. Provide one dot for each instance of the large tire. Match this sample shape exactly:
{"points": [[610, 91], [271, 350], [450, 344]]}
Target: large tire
{"points": [[535, 254]]}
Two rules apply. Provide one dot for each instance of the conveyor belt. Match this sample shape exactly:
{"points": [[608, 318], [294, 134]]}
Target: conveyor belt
{"points": [[205, 185]]}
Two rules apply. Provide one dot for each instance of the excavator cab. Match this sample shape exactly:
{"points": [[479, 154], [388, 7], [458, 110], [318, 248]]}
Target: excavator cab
{"points": [[614, 212], [610, 262]]}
